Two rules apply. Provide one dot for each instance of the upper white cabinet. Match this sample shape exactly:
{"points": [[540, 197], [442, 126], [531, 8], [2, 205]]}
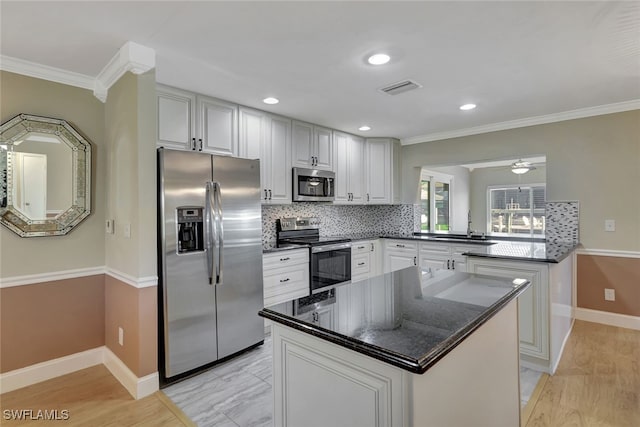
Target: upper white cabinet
{"points": [[267, 137], [176, 118], [312, 146], [382, 169], [193, 122], [349, 168]]}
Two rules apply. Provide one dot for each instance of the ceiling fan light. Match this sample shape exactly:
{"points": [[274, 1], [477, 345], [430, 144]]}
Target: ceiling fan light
{"points": [[520, 170]]}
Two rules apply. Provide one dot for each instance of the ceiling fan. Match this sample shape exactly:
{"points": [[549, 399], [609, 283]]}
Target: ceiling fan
{"points": [[520, 167]]}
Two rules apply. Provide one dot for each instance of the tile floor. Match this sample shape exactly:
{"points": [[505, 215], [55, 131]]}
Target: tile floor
{"points": [[238, 392]]}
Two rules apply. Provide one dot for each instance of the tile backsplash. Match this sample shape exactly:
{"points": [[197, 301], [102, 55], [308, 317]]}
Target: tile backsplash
{"points": [[343, 219], [562, 222]]}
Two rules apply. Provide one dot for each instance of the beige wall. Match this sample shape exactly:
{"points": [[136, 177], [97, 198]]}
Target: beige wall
{"points": [[49, 320], [594, 160], [84, 246]]}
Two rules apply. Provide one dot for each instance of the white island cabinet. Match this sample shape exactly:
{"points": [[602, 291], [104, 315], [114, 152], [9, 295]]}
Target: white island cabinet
{"points": [[403, 368]]}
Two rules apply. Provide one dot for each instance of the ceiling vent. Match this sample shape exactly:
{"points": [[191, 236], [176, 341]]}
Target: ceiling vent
{"points": [[400, 87]]}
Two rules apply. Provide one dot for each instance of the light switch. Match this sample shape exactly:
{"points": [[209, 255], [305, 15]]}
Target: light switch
{"points": [[127, 231], [609, 225], [109, 226]]}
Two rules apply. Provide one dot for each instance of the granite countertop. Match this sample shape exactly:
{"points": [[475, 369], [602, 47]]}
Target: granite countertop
{"points": [[549, 252], [272, 246], [409, 319]]}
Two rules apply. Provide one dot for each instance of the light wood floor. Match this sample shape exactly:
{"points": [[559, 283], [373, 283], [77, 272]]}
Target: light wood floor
{"points": [[597, 382], [92, 397]]}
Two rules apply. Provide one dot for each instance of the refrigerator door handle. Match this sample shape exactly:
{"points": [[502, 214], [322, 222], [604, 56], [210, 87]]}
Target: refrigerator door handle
{"points": [[209, 229], [218, 239]]}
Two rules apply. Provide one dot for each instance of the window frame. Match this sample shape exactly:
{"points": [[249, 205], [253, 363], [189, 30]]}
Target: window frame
{"points": [[432, 177], [529, 186]]}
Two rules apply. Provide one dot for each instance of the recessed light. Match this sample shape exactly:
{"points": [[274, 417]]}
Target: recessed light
{"points": [[466, 107], [271, 100], [364, 128], [379, 59]]}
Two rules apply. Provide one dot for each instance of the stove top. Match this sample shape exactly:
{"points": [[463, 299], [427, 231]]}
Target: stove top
{"points": [[303, 231], [313, 240]]}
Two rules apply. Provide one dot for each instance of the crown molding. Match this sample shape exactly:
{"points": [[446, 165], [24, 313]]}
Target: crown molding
{"points": [[529, 121], [45, 72], [130, 57]]}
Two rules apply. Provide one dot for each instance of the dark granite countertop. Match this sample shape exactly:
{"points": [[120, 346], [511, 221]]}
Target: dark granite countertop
{"points": [[272, 246], [407, 318], [549, 252]]}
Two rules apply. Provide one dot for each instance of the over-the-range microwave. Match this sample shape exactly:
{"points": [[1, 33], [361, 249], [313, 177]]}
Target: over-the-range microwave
{"points": [[313, 185]]}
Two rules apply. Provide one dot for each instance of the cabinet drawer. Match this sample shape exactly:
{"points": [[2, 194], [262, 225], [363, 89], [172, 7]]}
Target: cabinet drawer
{"points": [[286, 284], [458, 250], [360, 265], [361, 247], [435, 248], [285, 259], [401, 246]]}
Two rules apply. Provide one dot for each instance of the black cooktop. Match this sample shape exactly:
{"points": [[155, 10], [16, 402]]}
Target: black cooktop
{"points": [[313, 240]]}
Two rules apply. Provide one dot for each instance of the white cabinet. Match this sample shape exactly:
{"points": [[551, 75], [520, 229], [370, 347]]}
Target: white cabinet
{"points": [[349, 168], [176, 118], [322, 316], [268, 137], [364, 259], [399, 254], [285, 275], [382, 170], [446, 256], [193, 122], [533, 304], [312, 146]]}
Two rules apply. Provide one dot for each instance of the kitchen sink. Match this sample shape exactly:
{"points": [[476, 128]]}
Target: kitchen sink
{"points": [[458, 237]]}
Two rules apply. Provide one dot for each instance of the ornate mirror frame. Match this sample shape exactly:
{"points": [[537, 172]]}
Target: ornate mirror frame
{"points": [[12, 133]]}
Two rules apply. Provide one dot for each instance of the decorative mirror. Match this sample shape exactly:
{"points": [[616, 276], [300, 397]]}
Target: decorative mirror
{"points": [[45, 176]]}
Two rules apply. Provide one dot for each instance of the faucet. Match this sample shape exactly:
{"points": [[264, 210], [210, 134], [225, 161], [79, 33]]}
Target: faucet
{"points": [[469, 230]]}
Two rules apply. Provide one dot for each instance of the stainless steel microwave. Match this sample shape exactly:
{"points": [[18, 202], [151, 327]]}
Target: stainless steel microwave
{"points": [[312, 185]]}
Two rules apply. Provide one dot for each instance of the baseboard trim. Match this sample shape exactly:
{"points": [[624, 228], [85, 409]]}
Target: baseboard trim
{"points": [[606, 318], [23, 377], [137, 387], [43, 371]]}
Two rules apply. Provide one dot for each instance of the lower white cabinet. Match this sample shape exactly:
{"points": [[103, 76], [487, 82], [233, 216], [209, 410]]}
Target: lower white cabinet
{"points": [[364, 259], [399, 254], [446, 256], [285, 275]]}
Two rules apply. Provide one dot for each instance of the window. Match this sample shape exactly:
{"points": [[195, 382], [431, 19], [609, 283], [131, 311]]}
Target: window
{"points": [[517, 210], [435, 201]]}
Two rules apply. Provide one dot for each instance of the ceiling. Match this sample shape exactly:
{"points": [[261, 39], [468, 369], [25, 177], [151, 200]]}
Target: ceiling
{"points": [[515, 60]]}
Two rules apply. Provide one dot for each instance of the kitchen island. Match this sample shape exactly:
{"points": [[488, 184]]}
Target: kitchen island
{"points": [[401, 349]]}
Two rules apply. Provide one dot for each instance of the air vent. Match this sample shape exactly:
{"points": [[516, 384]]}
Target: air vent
{"points": [[400, 87]]}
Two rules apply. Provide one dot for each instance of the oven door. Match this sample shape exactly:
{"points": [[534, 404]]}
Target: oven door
{"points": [[330, 266]]}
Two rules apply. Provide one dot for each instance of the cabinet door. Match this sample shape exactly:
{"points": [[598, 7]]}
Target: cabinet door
{"points": [[277, 168], [378, 163], [341, 163], [533, 304], [251, 134], [432, 264], [176, 118], [325, 317], [302, 144], [218, 124], [323, 148], [398, 260], [356, 169]]}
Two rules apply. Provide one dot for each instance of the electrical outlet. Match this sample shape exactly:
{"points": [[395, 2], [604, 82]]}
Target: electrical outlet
{"points": [[120, 336], [609, 225], [609, 294], [109, 226], [127, 231]]}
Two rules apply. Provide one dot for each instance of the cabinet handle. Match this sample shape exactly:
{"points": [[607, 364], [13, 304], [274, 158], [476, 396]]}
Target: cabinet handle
{"points": [[399, 245], [453, 264], [448, 265], [285, 259], [367, 197], [315, 316], [361, 263], [361, 247], [372, 247], [284, 280], [265, 194], [415, 260], [193, 144], [200, 140], [269, 194]]}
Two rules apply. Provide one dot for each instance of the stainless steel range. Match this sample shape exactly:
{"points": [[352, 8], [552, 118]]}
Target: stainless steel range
{"points": [[330, 257]]}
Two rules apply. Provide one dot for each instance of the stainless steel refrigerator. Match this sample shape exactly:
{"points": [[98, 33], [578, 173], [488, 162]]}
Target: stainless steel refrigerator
{"points": [[210, 259]]}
